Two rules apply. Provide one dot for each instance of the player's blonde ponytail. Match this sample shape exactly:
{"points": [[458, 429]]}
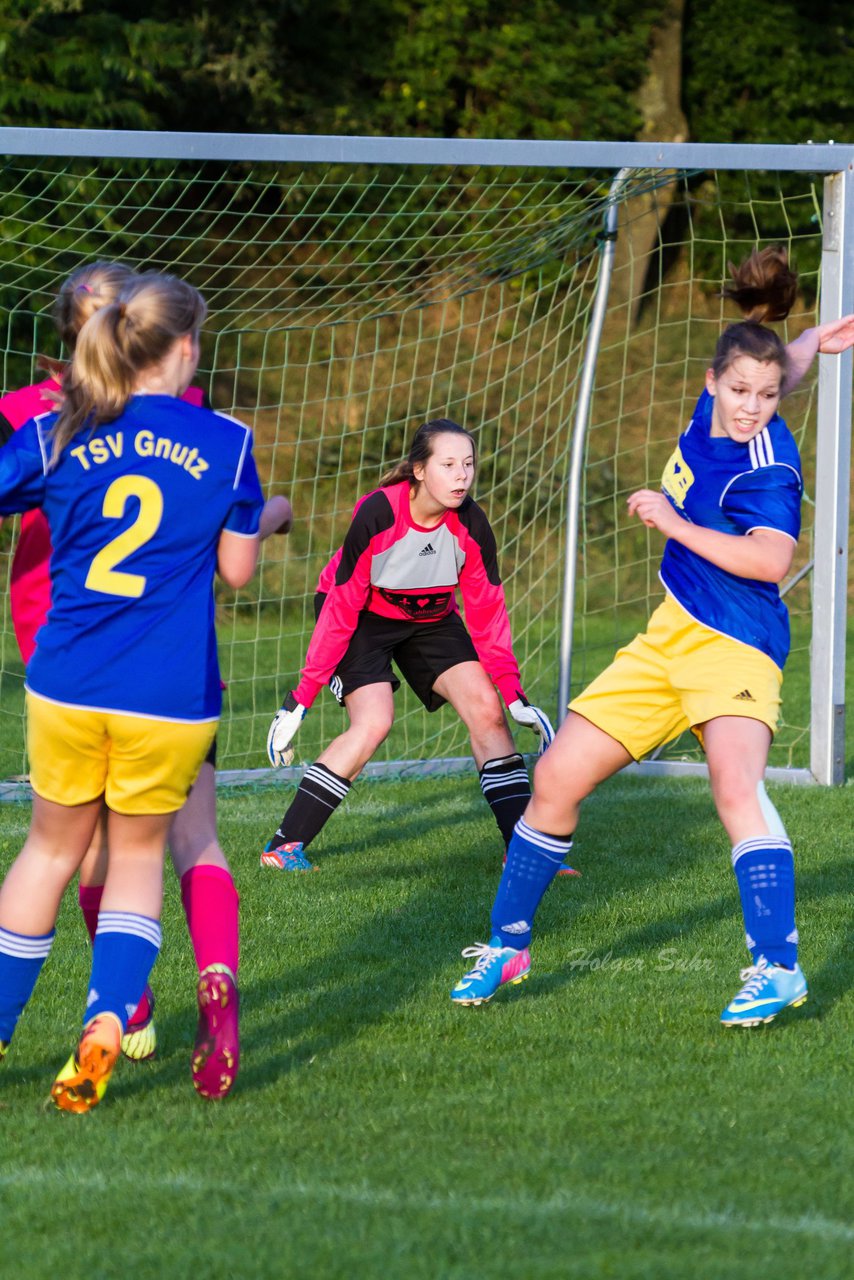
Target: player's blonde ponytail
{"points": [[117, 344], [85, 290]]}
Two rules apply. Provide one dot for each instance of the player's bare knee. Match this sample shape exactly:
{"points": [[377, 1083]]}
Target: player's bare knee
{"points": [[552, 780], [484, 713], [732, 788], [375, 731], [547, 778]]}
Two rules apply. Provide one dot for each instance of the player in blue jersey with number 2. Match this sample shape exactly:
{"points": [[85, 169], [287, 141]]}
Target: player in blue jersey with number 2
{"points": [[711, 658], [147, 497]]}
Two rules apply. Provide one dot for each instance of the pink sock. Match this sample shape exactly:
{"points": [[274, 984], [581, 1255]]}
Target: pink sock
{"points": [[89, 897], [210, 903]]}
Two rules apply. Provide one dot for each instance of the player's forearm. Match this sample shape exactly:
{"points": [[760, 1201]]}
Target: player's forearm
{"points": [[799, 356], [831, 339], [746, 556]]}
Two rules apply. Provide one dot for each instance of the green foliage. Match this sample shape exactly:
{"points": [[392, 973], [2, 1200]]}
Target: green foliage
{"points": [[780, 71], [98, 65], [467, 68], [490, 68]]}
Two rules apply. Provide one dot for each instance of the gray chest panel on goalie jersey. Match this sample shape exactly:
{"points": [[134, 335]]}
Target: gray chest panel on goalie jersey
{"points": [[429, 558]]}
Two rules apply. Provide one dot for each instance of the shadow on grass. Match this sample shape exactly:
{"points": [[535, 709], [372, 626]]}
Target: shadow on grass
{"points": [[384, 958]]}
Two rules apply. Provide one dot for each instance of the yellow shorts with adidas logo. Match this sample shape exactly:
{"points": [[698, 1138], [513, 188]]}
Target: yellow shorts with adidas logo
{"points": [[675, 676], [139, 764]]}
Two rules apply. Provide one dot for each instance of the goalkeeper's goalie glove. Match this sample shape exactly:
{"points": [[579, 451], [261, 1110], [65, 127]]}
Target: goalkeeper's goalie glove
{"points": [[533, 718], [282, 730]]}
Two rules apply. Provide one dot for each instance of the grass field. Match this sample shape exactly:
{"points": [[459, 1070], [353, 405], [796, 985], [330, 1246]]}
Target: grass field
{"points": [[594, 1122]]}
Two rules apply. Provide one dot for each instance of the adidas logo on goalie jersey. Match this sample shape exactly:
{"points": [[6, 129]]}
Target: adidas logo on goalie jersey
{"points": [[744, 696], [428, 550]]}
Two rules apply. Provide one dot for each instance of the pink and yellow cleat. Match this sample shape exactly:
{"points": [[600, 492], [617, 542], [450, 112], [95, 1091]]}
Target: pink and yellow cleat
{"points": [[139, 1042], [496, 965]]}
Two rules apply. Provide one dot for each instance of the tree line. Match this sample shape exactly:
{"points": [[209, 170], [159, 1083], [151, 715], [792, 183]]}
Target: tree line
{"points": [[773, 71]]}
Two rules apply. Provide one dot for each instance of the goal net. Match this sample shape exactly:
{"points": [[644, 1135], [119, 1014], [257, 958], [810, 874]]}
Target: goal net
{"points": [[350, 302]]}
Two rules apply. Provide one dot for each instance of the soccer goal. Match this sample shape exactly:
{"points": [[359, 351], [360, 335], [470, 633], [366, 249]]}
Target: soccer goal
{"points": [[559, 299]]}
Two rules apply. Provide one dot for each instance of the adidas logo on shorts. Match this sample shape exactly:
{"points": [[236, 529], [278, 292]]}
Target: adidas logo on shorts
{"points": [[744, 696], [428, 550]]}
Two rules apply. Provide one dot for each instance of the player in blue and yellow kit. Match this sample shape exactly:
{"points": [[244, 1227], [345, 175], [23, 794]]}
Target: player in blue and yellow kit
{"points": [[711, 658], [146, 497]]}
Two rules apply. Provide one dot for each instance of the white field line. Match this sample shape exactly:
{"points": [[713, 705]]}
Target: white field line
{"points": [[515, 1204]]}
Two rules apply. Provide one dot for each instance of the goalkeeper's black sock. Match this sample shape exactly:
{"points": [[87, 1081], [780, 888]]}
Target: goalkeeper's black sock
{"points": [[318, 796], [504, 783]]}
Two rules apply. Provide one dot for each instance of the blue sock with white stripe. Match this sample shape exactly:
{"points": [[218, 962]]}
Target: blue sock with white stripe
{"points": [[765, 870], [21, 960], [533, 861], [123, 954]]}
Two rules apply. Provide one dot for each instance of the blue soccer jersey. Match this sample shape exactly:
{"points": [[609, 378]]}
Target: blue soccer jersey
{"points": [[135, 511], [722, 484]]}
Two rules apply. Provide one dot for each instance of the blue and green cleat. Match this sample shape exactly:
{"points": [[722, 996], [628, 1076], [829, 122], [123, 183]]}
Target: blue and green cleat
{"points": [[285, 856], [768, 989], [496, 965]]}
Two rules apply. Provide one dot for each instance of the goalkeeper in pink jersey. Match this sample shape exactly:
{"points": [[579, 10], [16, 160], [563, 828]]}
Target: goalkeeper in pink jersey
{"points": [[207, 888], [389, 593]]}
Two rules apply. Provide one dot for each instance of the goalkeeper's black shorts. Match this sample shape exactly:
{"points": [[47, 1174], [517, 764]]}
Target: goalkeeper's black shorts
{"points": [[421, 651]]}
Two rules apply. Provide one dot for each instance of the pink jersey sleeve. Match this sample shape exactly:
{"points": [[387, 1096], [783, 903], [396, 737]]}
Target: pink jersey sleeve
{"points": [[29, 584], [347, 583], [484, 604]]}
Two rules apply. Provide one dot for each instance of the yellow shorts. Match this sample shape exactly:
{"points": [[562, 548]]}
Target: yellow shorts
{"points": [[676, 676], [138, 765]]}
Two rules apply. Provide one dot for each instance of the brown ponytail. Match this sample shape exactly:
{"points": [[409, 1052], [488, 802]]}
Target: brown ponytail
{"points": [[765, 287]]}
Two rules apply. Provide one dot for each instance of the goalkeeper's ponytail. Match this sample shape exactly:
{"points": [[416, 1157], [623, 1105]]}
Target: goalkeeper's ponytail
{"points": [[117, 344], [421, 449]]}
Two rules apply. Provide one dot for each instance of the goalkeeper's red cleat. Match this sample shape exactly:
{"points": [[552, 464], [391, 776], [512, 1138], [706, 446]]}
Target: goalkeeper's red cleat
{"points": [[216, 1054], [82, 1082], [286, 856]]}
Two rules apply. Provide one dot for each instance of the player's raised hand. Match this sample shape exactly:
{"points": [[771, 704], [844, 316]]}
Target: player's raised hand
{"points": [[655, 510], [533, 718], [836, 336], [285, 724]]}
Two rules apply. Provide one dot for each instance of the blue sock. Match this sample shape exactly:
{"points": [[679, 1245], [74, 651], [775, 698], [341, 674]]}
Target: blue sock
{"points": [[533, 861], [123, 953], [765, 870], [21, 960]]}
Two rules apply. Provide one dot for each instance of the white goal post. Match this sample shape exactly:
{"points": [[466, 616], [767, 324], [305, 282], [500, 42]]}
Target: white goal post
{"points": [[558, 297]]}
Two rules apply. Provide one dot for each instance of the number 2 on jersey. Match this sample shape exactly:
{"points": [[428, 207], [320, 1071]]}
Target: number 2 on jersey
{"points": [[103, 574]]}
